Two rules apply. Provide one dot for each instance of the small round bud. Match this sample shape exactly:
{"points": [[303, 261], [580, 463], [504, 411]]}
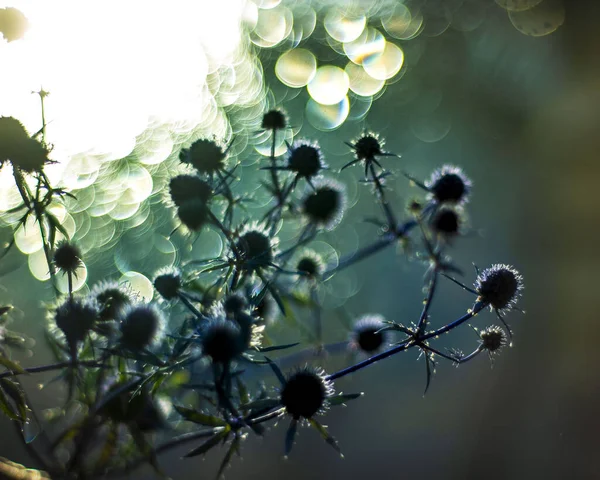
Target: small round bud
{"points": [[112, 298], [266, 308], [76, 318], [493, 338], [168, 282], [324, 206], [446, 222], [189, 187], [366, 334], [499, 286], [193, 214], [234, 303], [274, 120], [255, 248], [141, 327], [310, 264], [221, 340], [205, 155], [368, 146], [305, 159], [67, 257], [449, 185], [305, 393]]}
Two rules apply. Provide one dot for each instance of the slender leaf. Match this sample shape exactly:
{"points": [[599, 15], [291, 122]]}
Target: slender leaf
{"points": [[210, 443], [343, 398], [10, 365], [290, 436], [199, 417], [276, 370], [277, 347], [326, 435], [262, 404], [233, 448], [16, 394]]}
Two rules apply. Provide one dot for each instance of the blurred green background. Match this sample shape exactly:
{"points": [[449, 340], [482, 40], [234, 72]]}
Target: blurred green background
{"points": [[524, 112]]}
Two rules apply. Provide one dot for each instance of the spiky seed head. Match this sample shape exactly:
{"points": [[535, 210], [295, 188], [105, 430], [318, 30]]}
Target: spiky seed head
{"points": [[255, 248], [221, 340], [189, 187], [449, 185], [368, 146], [305, 159], [76, 317], [310, 264], [168, 282], [324, 206], [367, 334], [499, 286], [112, 298], [274, 120], [493, 338], [194, 214], [205, 155], [141, 327], [234, 303], [19, 148], [266, 308], [67, 257], [447, 221], [305, 393]]}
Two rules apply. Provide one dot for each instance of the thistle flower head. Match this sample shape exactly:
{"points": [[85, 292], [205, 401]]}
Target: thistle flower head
{"points": [[368, 146], [194, 214], [234, 303], [183, 188], [447, 221], [76, 317], [493, 338], [67, 257], [274, 120], [255, 247], [324, 206], [19, 148], [221, 339], [449, 185], [305, 393], [305, 159], [367, 335], [499, 286], [266, 308], [141, 327], [167, 282], [310, 264], [205, 155], [112, 298]]}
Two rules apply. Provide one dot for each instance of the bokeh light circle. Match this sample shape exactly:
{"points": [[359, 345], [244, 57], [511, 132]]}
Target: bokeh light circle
{"points": [[329, 86], [342, 26], [327, 117], [296, 68], [385, 65]]}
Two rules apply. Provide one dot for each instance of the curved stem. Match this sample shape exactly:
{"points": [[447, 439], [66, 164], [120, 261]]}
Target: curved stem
{"points": [[389, 215]]}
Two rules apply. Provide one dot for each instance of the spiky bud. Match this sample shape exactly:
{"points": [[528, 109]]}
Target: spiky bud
{"points": [[305, 393], [168, 282], [499, 286], [141, 326], [183, 188], [449, 185], [67, 257], [305, 159], [274, 120], [493, 338], [367, 335], [324, 206], [205, 155]]}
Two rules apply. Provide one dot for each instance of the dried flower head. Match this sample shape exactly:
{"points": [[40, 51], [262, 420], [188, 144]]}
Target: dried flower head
{"points": [[141, 327], [305, 159], [221, 340], [310, 264], [167, 282], [325, 204], [274, 120], [194, 214], [447, 221], [205, 155], [234, 303], [499, 286], [368, 146], [67, 257], [183, 188], [449, 185], [367, 335], [112, 298], [305, 393], [76, 317], [255, 248], [493, 338]]}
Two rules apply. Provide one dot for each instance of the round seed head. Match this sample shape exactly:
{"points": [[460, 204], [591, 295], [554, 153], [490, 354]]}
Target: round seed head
{"points": [[499, 286], [274, 120], [449, 185], [205, 155], [255, 248], [266, 308], [67, 257], [12, 136], [193, 214], [189, 187], [368, 146], [493, 338], [141, 327], [305, 159], [366, 334], [221, 340], [305, 393], [76, 318], [112, 298], [168, 282], [324, 206], [447, 222], [310, 264], [234, 303]]}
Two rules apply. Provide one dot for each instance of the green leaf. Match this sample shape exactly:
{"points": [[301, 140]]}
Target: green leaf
{"points": [[262, 404], [7, 408], [326, 435], [234, 447], [242, 391], [277, 347], [10, 365], [199, 417], [343, 398], [276, 370], [4, 310], [290, 436], [16, 394], [210, 443]]}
